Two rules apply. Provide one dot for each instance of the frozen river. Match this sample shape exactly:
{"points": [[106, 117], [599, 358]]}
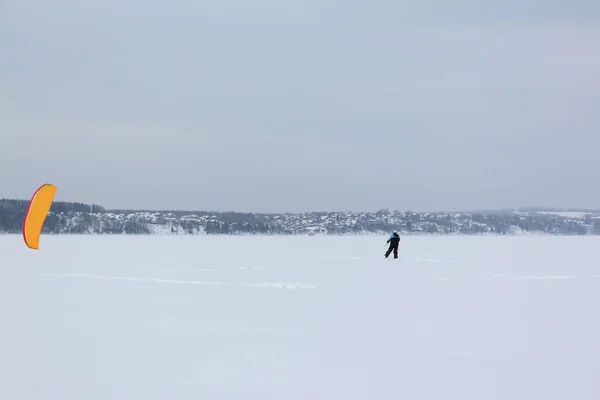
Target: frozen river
{"points": [[290, 318]]}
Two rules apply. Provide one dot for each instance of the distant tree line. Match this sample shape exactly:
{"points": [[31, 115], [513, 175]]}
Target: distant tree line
{"points": [[76, 218], [12, 214]]}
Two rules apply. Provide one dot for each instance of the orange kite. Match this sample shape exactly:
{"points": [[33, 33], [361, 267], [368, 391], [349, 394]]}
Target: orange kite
{"points": [[36, 214]]}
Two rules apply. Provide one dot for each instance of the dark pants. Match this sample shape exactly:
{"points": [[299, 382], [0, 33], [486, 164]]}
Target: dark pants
{"points": [[394, 248]]}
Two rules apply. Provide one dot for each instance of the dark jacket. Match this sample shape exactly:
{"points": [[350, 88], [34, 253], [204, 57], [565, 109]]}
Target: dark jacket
{"points": [[394, 239]]}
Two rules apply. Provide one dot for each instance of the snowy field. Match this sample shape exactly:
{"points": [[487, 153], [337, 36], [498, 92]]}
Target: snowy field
{"points": [[290, 318]]}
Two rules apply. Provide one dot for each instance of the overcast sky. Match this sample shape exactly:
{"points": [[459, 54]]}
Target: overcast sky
{"points": [[300, 106]]}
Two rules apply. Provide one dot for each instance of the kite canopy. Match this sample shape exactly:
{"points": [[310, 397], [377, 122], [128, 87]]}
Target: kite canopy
{"points": [[36, 214]]}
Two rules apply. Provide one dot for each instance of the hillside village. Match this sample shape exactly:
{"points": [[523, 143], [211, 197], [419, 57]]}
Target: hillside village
{"points": [[76, 218]]}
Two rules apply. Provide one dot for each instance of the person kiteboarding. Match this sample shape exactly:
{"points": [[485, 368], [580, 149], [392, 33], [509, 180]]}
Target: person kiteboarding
{"points": [[393, 241]]}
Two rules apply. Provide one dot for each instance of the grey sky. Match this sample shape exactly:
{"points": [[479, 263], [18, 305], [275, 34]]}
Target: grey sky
{"points": [[312, 105]]}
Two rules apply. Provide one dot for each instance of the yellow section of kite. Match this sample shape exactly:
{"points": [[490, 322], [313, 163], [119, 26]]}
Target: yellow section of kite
{"points": [[36, 214]]}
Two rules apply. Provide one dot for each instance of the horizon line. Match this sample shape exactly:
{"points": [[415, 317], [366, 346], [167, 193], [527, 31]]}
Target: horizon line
{"points": [[384, 209]]}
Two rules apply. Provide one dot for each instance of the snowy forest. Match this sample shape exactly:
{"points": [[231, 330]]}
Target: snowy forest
{"points": [[78, 218]]}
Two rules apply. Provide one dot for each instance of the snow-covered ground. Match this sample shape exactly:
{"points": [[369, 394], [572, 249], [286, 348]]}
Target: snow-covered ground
{"points": [[564, 214], [567, 214], [290, 318]]}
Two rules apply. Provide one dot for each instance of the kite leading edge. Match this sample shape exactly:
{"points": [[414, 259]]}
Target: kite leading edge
{"points": [[36, 214]]}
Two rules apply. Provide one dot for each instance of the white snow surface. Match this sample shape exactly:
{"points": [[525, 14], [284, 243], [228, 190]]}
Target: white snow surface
{"points": [[299, 317], [567, 214], [564, 214]]}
